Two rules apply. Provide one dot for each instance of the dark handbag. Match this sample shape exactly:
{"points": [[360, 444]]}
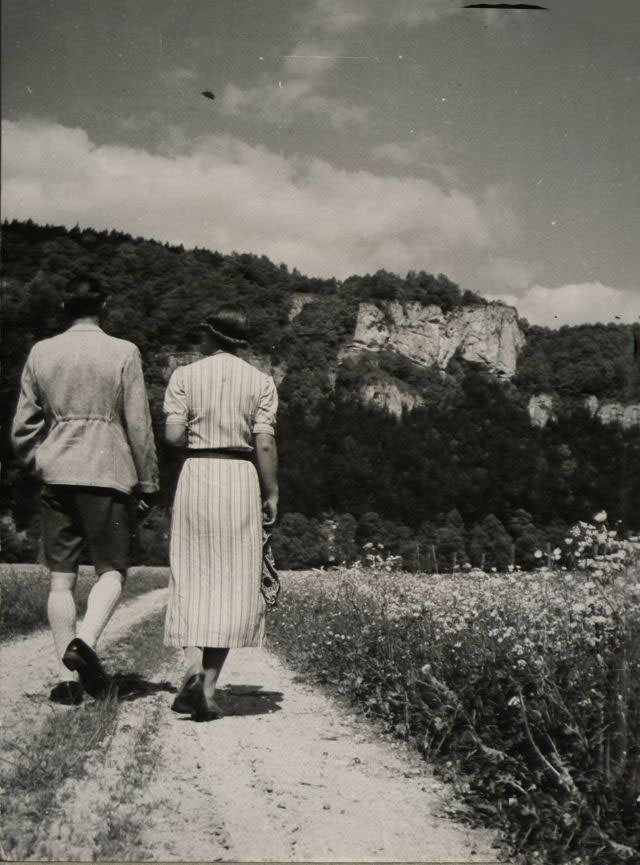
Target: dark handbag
{"points": [[269, 582]]}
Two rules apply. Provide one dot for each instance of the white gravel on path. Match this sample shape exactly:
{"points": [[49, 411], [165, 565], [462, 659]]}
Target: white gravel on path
{"points": [[290, 775]]}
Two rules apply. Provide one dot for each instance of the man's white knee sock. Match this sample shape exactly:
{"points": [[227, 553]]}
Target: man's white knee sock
{"points": [[102, 601], [61, 610]]}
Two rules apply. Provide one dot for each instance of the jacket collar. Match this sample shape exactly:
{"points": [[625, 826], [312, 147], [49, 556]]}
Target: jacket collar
{"points": [[85, 326]]}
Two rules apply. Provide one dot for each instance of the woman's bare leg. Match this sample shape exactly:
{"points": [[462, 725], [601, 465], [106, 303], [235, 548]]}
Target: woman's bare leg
{"points": [[193, 660], [213, 659]]}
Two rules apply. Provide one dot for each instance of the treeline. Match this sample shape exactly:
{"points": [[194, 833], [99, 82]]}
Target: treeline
{"points": [[465, 473], [575, 362]]}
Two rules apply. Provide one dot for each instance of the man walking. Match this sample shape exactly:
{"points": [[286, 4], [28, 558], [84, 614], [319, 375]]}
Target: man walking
{"points": [[83, 425]]}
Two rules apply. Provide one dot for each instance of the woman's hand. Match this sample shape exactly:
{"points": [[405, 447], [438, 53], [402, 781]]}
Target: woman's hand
{"points": [[269, 511], [267, 465]]}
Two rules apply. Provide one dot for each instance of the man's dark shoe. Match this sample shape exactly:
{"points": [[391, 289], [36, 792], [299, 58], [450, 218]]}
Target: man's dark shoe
{"points": [[67, 693], [81, 658]]}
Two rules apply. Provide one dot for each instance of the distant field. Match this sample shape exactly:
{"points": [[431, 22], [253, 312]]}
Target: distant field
{"points": [[24, 589]]}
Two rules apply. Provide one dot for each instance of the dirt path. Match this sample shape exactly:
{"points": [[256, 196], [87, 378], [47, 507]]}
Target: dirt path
{"points": [[286, 775], [28, 669]]}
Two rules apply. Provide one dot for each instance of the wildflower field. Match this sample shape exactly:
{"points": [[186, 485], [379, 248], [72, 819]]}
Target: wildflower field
{"points": [[523, 687]]}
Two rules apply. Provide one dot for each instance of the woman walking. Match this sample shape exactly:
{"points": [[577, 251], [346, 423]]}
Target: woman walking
{"points": [[222, 411]]}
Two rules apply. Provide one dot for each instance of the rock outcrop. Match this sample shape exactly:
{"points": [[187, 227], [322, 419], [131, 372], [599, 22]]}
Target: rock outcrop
{"points": [[614, 412], [541, 409], [426, 335], [298, 302], [390, 396]]}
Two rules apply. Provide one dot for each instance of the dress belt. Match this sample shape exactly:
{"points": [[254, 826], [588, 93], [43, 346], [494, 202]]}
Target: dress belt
{"points": [[218, 453]]}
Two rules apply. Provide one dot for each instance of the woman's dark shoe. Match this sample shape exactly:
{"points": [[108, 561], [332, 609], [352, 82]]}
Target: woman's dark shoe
{"points": [[208, 710], [191, 700], [81, 658], [67, 693], [190, 695]]}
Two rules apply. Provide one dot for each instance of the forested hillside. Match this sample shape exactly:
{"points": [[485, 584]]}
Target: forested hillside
{"points": [[464, 476]]}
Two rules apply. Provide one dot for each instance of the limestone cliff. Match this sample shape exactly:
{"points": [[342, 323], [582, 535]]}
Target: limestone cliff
{"points": [[614, 412], [542, 409], [389, 395], [426, 335]]}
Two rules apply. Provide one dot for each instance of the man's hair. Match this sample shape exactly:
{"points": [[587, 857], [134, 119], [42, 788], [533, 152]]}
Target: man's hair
{"points": [[84, 296]]}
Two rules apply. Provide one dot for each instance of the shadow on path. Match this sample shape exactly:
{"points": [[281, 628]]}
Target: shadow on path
{"points": [[248, 700], [132, 686]]}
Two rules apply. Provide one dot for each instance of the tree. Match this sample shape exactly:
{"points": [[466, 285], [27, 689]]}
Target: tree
{"points": [[527, 538], [299, 543], [491, 544], [450, 542]]}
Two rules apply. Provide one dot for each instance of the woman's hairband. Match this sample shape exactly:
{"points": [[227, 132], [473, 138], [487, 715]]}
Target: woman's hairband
{"points": [[232, 340]]}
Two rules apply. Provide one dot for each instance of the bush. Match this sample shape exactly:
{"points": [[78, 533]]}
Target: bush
{"points": [[524, 688]]}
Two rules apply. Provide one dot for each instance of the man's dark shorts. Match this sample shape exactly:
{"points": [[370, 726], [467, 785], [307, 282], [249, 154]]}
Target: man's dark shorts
{"points": [[99, 517]]}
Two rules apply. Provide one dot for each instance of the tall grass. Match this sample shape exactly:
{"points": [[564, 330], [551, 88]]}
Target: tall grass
{"points": [[524, 688], [24, 590]]}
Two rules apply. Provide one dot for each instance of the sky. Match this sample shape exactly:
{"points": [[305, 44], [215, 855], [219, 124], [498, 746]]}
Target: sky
{"points": [[501, 147]]}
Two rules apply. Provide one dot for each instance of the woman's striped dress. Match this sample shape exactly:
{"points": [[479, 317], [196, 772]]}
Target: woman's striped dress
{"points": [[216, 527]]}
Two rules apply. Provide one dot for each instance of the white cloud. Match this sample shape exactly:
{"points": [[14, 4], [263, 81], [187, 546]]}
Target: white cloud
{"points": [[224, 194], [412, 13], [501, 19], [338, 16], [342, 17], [584, 303], [508, 273], [311, 60], [282, 101], [320, 43], [175, 76], [422, 152]]}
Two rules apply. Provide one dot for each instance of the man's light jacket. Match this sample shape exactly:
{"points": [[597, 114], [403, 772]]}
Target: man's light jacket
{"points": [[83, 416]]}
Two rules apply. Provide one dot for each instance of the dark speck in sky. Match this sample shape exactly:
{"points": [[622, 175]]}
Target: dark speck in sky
{"points": [[208, 94], [504, 6]]}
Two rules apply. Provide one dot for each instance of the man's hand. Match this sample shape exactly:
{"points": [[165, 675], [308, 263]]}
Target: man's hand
{"points": [[146, 502], [269, 511]]}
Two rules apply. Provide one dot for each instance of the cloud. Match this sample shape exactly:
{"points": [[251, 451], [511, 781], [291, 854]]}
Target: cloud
{"points": [[424, 153], [583, 303], [311, 60], [508, 273], [176, 76], [412, 13], [223, 194], [337, 16], [501, 19], [279, 103], [319, 45]]}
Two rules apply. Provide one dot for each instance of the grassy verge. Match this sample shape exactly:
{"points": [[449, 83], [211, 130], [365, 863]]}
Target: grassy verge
{"points": [[35, 768], [121, 820], [523, 689], [24, 590]]}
